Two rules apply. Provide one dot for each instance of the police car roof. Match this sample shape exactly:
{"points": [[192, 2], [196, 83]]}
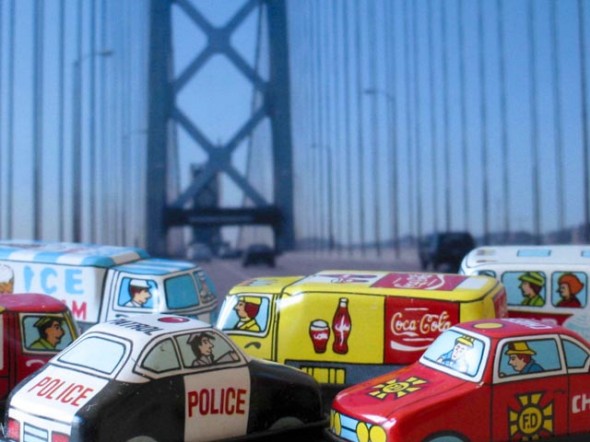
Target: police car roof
{"points": [[564, 254], [30, 302], [69, 253], [144, 327]]}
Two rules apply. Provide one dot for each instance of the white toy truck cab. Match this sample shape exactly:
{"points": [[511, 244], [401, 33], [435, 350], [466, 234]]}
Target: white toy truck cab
{"points": [[99, 283]]}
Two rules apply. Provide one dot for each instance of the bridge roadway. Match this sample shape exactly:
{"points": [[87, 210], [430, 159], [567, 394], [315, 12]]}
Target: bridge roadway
{"points": [[226, 273]]}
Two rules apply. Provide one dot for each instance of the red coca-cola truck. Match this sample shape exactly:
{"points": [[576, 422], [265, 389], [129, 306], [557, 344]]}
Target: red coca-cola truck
{"points": [[343, 327], [34, 328]]}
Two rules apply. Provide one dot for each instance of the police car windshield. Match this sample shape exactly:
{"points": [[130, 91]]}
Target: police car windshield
{"points": [[95, 353], [458, 354]]}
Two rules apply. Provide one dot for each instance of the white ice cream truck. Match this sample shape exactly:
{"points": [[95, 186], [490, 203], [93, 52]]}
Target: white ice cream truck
{"points": [[99, 282]]}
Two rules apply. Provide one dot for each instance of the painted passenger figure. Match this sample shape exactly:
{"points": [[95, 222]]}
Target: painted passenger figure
{"points": [[202, 347], [569, 285], [6, 279], [205, 293], [139, 291], [531, 284], [520, 358], [50, 333], [247, 308], [456, 357]]}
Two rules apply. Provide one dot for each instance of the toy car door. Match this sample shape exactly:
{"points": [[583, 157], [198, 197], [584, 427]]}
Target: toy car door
{"points": [[577, 357], [215, 379], [529, 396]]}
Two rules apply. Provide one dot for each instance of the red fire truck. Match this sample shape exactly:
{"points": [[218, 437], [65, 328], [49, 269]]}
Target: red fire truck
{"points": [[34, 328]]}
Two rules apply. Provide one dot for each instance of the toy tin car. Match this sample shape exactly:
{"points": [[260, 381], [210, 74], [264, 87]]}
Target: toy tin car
{"points": [[548, 283], [159, 378], [34, 328], [343, 327], [495, 380], [99, 282]]}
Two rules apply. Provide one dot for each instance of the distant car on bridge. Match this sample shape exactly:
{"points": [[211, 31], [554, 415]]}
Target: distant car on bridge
{"points": [[259, 254], [444, 251]]}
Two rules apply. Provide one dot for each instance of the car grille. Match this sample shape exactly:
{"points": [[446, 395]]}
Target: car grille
{"points": [[34, 434]]}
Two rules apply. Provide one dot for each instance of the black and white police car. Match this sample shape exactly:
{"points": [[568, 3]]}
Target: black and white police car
{"points": [[159, 378]]}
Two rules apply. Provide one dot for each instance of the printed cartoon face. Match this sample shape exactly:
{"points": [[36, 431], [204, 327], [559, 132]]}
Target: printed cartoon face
{"points": [[54, 333], [527, 379]]}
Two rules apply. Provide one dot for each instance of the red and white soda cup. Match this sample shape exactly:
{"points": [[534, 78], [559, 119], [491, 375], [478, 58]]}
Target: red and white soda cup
{"points": [[319, 331]]}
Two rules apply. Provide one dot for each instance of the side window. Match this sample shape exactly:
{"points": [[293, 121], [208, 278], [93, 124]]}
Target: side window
{"points": [[525, 288], [569, 289], [45, 332], [575, 356], [181, 292], [205, 286], [136, 293], [246, 313], [162, 358], [205, 348], [528, 357]]}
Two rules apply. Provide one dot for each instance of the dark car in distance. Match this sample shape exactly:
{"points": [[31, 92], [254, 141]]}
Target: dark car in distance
{"points": [[259, 254], [444, 251]]}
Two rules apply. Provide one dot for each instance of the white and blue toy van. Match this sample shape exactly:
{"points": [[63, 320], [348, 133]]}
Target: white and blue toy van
{"points": [[99, 282], [549, 283]]}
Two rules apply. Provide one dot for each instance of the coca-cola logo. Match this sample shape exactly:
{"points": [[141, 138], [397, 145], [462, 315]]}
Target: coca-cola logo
{"points": [[412, 325], [427, 324]]}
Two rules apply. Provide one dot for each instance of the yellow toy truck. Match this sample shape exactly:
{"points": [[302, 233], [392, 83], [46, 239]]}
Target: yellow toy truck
{"points": [[345, 326]]}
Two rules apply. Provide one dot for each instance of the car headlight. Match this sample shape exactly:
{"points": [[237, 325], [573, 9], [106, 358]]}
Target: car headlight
{"points": [[352, 429], [370, 433]]}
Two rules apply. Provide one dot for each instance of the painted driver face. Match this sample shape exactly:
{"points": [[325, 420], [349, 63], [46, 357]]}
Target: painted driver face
{"points": [[54, 333], [240, 309]]}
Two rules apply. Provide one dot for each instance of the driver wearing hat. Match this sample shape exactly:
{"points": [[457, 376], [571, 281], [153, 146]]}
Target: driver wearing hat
{"points": [[520, 358]]}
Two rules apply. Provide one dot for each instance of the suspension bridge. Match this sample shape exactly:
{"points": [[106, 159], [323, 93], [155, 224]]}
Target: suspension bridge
{"points": [[352, 126]]}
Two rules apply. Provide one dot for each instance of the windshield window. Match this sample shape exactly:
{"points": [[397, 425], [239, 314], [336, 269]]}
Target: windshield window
{"points": [[248, 313], [456, 353], [181, 292], [137, 293], [95, 353]]}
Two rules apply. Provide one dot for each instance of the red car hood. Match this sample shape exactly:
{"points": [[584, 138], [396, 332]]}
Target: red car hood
{"points": [[400, 393]]}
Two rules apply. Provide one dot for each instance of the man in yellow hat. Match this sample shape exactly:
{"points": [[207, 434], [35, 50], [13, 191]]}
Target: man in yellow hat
{"points": [[247, 308], [457, 357], [531, 284], [520, 358]]}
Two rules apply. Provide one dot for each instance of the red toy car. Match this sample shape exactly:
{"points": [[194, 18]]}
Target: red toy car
{"points": [[34, 328], [487, 380]]}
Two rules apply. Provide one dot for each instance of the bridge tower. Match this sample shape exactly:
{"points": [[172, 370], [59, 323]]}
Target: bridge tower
{"points": [[166, 209]]}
